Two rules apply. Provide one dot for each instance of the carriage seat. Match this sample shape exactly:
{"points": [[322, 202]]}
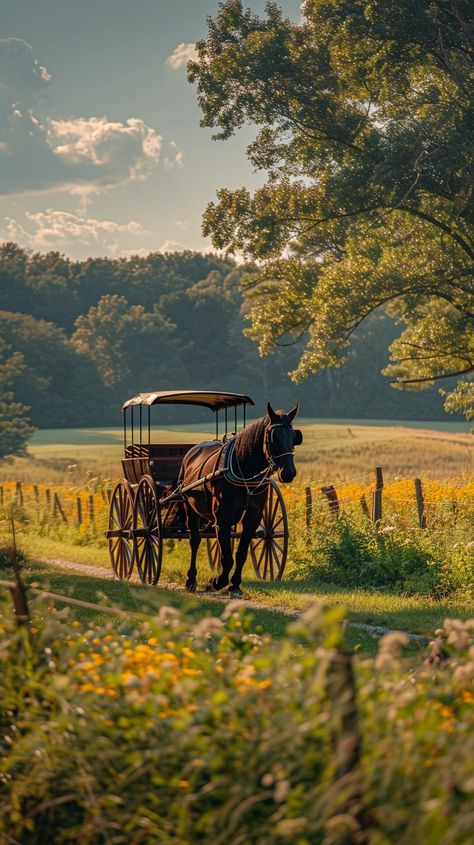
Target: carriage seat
{"points": [[161, 461]]}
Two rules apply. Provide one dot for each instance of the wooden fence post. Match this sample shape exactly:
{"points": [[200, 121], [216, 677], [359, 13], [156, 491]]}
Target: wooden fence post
{"points": [[79, 510], [331, 495], [19, 494], [47, 493], [1, 496], [309, 507], [36, 494], [377, 495], [57, 508], [364, 506], [420, 503], [346, 743], [91, 507]]}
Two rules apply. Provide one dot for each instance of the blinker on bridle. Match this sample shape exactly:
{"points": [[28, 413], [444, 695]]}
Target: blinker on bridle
{"points": [[269, 432]]}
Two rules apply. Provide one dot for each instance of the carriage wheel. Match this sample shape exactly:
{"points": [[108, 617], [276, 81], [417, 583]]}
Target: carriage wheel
{"points": [[148, 533], [214, 553], [269, 548], [120, 531]]}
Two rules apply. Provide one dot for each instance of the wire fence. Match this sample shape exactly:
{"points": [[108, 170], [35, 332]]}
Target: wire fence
{"points": [[85, 510]]}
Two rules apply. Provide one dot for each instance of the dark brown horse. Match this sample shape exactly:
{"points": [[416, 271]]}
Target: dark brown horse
{"points": [[263, 447]]}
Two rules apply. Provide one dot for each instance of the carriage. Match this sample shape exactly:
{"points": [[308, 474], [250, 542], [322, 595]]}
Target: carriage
{"points": [[145, 504]]}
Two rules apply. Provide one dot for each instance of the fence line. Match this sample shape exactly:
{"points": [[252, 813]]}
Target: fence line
{"points": [[86, 510]]}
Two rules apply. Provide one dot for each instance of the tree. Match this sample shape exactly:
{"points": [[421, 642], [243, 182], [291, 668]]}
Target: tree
{"points": [[365, 114], [14, 425], [51, 373], [131, 347]]}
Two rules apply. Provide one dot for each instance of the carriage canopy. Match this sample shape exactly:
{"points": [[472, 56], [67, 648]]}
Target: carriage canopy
{"points": [[215, 400]]}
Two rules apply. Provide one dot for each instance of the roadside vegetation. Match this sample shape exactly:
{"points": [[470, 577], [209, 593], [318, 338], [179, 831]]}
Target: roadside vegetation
{"points": [[182, 730]]}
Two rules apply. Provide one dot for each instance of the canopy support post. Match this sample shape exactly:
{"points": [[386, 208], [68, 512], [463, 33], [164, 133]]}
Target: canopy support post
{"points": [[225, 418], [140, 414], [124, 432], [133, 450], [149, 425], [217, 424]]}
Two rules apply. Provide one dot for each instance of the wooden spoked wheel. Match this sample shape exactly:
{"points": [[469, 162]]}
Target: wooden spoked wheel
{"points": [[214, 553], [147, 531], [120, 531], [269, 547]]}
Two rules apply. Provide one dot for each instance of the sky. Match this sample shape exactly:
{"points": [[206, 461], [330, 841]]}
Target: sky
{"points": [[101, 152]]}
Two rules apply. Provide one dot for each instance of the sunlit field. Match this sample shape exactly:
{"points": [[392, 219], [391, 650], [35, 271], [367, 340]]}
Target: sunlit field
{"points": [[331, 452]]}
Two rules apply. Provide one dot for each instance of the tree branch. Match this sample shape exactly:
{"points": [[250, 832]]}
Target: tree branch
{"points": [[469, 369]]}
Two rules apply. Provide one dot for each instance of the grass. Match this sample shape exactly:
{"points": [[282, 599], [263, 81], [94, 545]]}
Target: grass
{"points": [[330, 452], [418, 614], [136, 599]]}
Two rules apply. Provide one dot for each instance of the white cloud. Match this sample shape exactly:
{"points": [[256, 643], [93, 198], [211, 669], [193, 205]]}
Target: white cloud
{"points": [[62, 231], [171, 246], [107, 150], [81, 154], [181, 55]]}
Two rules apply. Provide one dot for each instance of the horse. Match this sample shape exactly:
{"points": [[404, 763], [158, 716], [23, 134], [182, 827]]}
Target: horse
{"points": [[241, 468]]}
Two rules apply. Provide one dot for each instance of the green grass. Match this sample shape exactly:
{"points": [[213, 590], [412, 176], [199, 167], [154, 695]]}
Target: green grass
{"points": [[418, 614], [136, 599]]}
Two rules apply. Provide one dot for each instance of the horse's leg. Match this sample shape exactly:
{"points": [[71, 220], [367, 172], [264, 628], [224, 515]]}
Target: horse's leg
{"points": [[223, 533], [250, 523], [195, 542]]}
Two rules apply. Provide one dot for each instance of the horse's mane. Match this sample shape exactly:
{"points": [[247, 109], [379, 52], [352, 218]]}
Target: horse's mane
{"points": [[249, 441]]}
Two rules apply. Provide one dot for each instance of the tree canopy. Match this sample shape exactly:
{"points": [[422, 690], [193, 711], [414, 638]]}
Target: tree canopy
{"points": [[365, 113], [14, 424]]}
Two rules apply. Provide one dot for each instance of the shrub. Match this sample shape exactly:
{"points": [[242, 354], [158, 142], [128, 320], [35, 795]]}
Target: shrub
{"points": [[351, 551]]}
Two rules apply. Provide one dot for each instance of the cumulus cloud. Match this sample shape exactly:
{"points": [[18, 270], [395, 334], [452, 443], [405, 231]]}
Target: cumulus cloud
{"points": [[66, 232], [181, 55], [174, 159], [105, 151], [82, 154], [171, 246]]}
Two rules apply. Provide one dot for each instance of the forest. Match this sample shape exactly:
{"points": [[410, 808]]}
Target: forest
{"points": [[78, 337]]}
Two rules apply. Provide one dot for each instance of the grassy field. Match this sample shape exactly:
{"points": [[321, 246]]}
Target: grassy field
{"points": [[331, 452], [276, 601]]}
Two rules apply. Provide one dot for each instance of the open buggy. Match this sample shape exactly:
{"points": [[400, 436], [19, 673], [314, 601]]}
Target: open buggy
{"points": [[146, 506]]}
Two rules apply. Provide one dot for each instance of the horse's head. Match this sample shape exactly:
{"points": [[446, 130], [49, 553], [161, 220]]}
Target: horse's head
{"points": [[280, 441]]}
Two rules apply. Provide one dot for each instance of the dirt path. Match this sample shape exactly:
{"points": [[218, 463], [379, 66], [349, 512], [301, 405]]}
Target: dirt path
{"points": [[107, 574]]}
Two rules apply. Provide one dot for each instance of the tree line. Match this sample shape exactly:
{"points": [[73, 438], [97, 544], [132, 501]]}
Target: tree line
{"points": [[78, 337]]}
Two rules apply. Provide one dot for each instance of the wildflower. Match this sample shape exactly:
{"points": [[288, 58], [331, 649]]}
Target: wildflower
{"points": [[458, 634], [389, 649], [207, 627], [168, 615], [232, 606]]}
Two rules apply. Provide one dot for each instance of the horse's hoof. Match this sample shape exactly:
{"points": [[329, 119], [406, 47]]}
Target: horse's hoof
{"points": [[190, 586], [235, 592], [215, 587]]}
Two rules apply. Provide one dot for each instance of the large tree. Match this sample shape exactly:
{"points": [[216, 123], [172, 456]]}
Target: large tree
{"points": [[365, 112], [14, 424]]}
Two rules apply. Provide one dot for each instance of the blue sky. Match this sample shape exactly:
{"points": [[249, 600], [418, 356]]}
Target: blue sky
{"points": [[101, 152]]}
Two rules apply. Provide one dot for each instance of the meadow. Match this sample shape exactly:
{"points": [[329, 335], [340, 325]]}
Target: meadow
{"points": [[331, 452], [149, 715]]}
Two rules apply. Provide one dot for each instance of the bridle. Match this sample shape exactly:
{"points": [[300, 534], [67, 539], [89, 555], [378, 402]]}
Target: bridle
{"points": [[255, 483], [269, 442]]}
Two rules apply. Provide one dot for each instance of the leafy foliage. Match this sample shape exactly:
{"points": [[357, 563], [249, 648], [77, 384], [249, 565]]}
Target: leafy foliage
{"points": [[364, 111], [14, 424], [92, 332]]}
